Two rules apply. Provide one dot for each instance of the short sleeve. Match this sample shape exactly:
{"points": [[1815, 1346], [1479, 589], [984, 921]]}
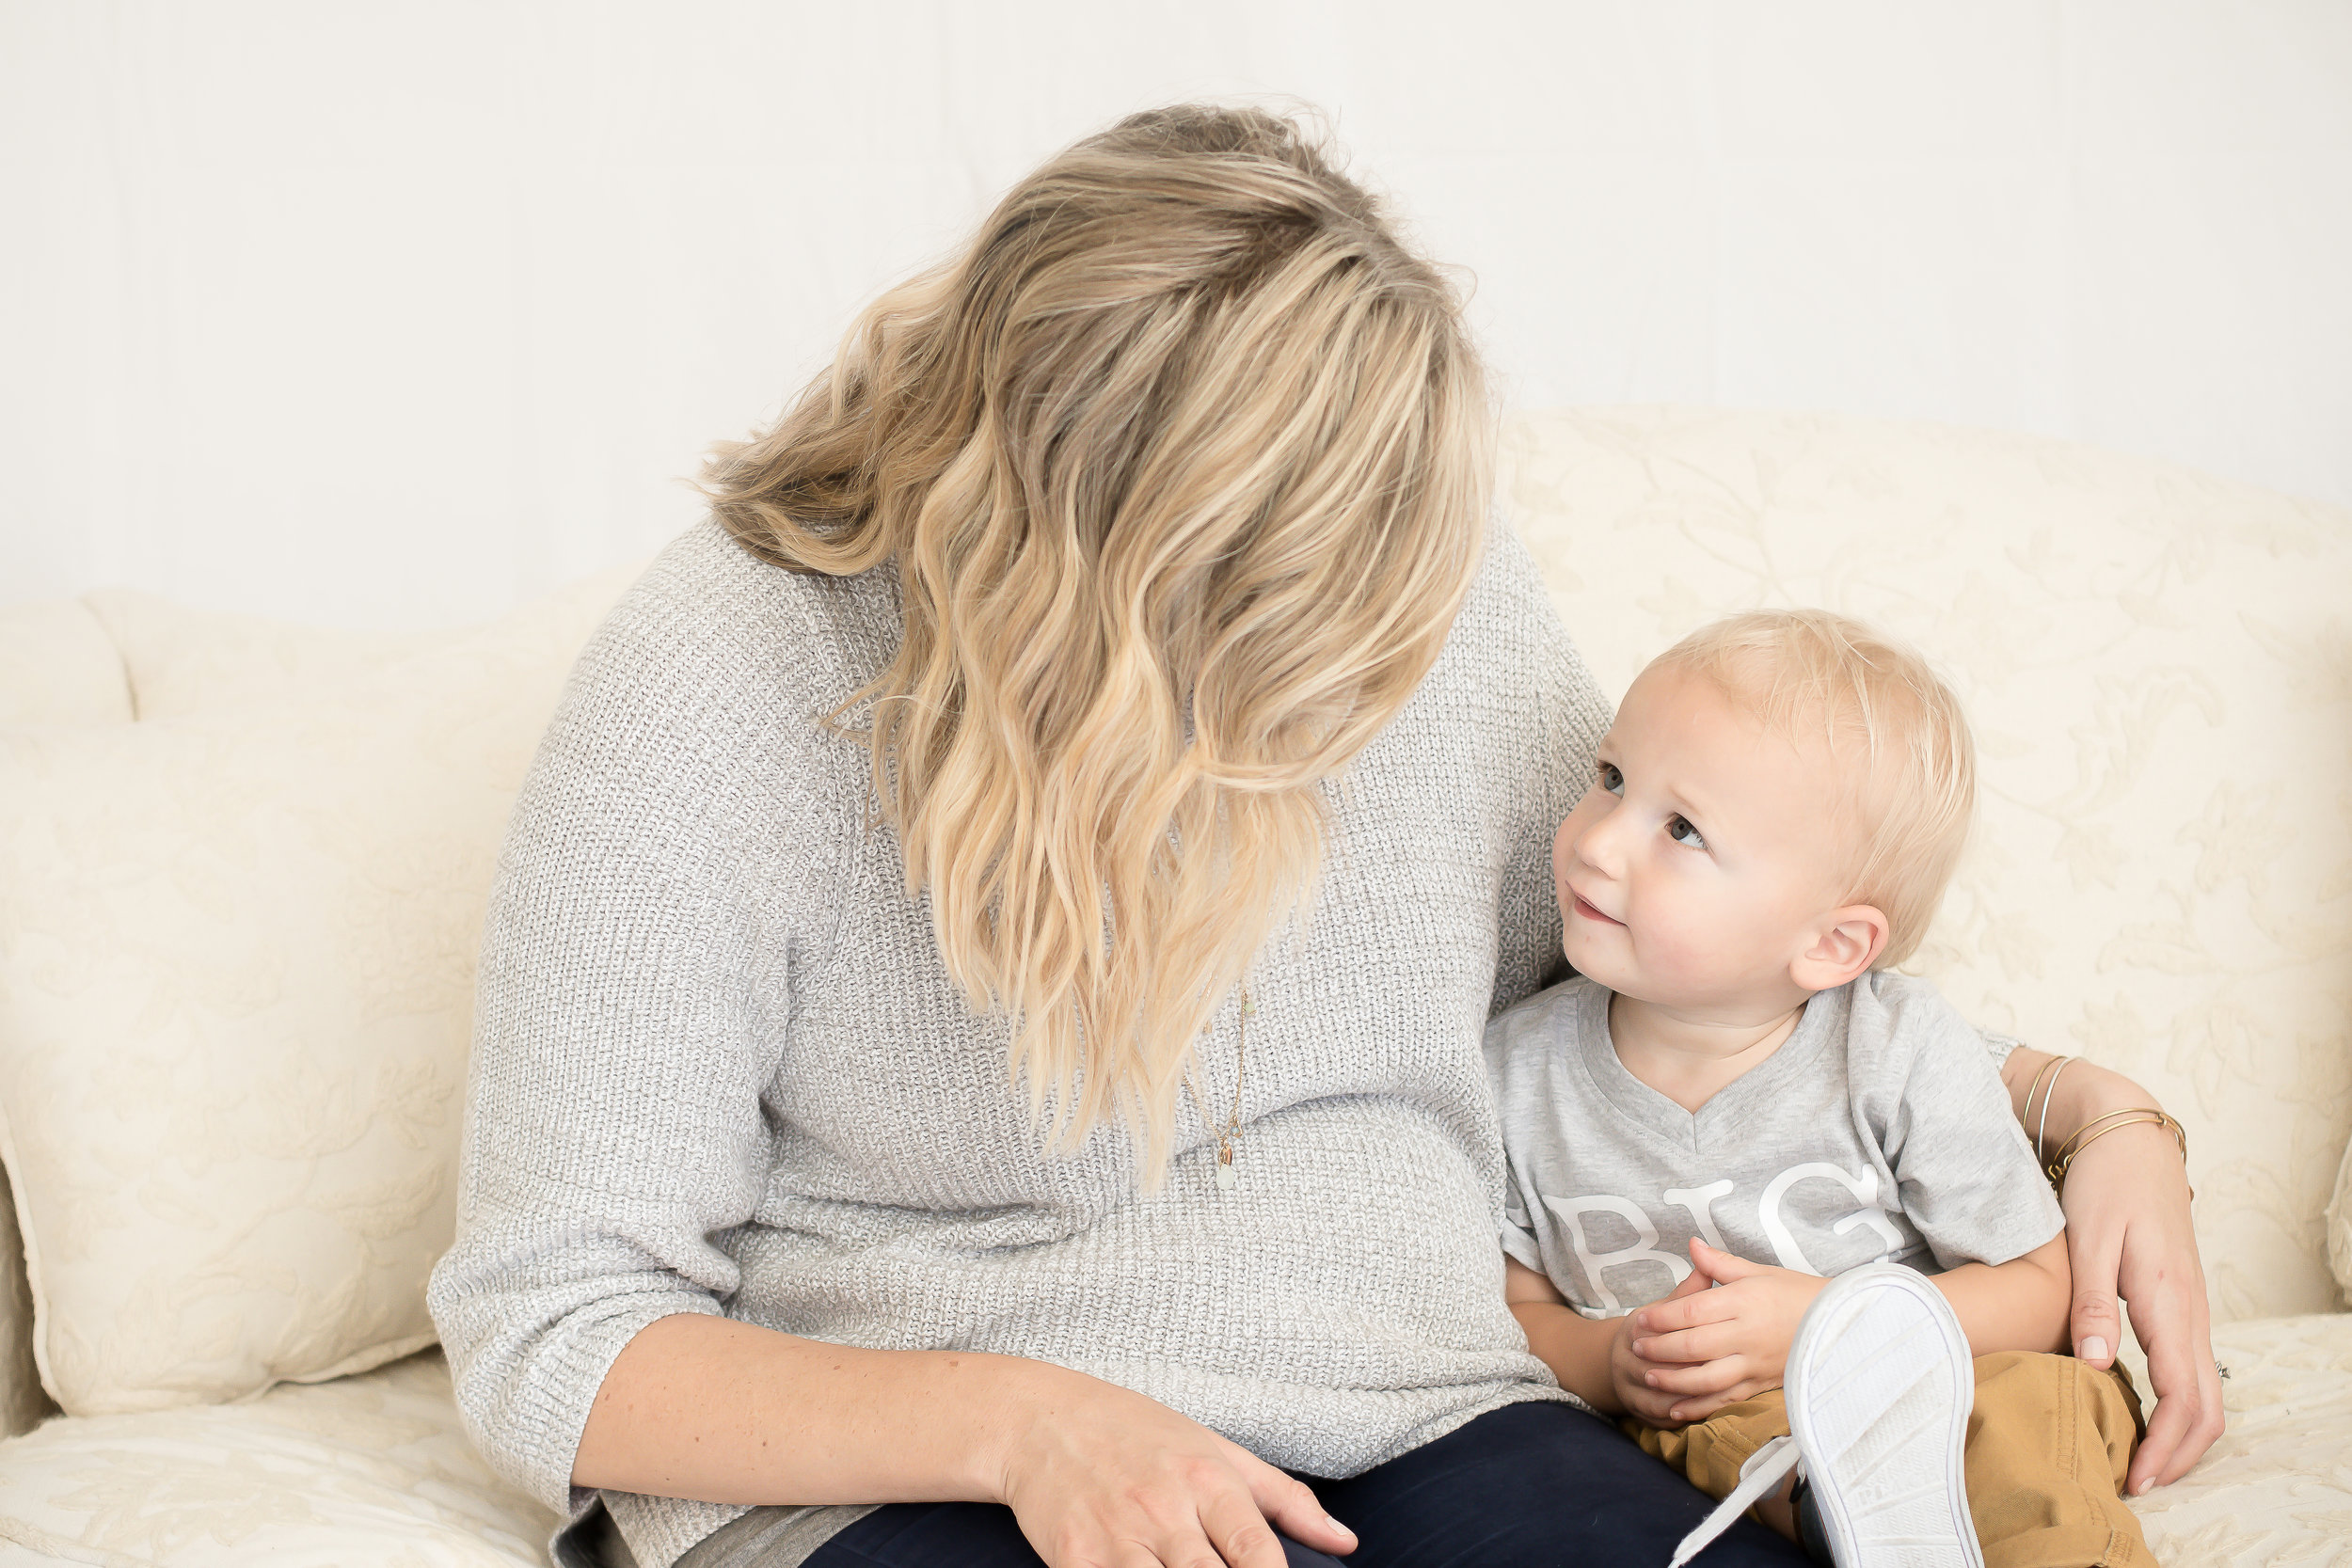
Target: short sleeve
{"points": [[1519, 1228], [1962, 1170]]}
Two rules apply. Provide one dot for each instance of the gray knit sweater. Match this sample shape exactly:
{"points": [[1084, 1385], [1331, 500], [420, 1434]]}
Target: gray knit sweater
{"points": [[719, 1067]]}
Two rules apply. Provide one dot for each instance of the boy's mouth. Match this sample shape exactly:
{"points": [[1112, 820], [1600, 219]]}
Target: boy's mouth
{"points": [[1588, 912]]}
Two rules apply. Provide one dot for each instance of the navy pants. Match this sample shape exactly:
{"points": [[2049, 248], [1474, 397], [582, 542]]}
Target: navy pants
{"points": [[1526, 1486]]}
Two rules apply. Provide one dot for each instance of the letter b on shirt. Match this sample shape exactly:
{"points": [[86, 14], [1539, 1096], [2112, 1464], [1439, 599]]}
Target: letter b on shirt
{"points": [[1643, 1251]]}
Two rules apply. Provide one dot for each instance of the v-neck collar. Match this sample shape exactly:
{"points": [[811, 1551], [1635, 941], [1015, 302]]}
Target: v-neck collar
{"points": [[1726, 1114]]}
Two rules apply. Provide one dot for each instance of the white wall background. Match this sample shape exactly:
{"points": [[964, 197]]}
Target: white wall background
{"points": [[362, 313]]}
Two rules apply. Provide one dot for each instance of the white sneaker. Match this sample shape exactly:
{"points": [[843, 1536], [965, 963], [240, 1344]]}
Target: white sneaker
{"points": [[1879, 1384]]}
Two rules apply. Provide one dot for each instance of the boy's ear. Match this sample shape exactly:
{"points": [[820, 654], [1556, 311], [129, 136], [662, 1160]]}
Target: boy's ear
{"points": [[1844, 946]]}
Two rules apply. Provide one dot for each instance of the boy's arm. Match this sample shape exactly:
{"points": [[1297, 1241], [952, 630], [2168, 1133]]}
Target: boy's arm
{"points": [[2020, 1304], [1593, 1357], [1574, 1346]]}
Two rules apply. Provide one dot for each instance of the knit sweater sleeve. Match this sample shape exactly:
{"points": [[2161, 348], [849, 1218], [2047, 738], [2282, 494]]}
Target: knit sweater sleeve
{"points": [[630, 995], [1558, 720]]}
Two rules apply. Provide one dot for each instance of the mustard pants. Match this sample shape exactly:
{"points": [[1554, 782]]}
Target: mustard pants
{"points": [[2049, 1442]]}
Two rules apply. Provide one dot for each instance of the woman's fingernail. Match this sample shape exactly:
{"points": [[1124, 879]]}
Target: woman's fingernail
{"points": [[2144, 1488], [2092, 1349]]}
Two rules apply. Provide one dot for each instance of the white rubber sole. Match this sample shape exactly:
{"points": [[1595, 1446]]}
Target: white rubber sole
{"points": [[1879, 1384]]}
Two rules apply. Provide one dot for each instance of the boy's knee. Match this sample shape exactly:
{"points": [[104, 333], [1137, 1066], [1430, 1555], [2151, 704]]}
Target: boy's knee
{"points": [[2043, 1387]]}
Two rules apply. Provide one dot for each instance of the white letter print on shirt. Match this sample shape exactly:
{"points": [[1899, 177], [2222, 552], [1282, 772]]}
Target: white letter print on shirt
{"points": [[1865, 1191], [1699, 1203], [1572, 1213]]}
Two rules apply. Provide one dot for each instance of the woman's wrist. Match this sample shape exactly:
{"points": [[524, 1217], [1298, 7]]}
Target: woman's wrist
{"points": [[1010, 1400], [2082, 1094]]}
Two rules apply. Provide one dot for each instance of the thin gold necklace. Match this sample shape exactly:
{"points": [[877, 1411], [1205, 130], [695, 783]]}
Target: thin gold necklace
{"points": [[1230, 1134]]}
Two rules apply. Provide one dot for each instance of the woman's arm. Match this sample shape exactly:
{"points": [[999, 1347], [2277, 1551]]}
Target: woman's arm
{"points": [[2128, 1236], [706, 1407]]}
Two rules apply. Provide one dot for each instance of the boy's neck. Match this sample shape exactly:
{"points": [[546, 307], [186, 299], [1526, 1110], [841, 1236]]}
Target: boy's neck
{"points": [[1690, 1058]]}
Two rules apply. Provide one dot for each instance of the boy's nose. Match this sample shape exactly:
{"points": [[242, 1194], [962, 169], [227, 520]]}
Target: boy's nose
{"points": [[1599, 846]]}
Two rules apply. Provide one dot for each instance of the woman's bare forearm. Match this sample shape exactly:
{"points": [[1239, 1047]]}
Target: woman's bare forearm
{"points": [[2079, 1093], [720, 1411]]}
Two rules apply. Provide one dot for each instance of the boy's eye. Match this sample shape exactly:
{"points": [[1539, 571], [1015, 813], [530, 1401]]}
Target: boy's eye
{"points": [[1610, 779], [1681, 832]]}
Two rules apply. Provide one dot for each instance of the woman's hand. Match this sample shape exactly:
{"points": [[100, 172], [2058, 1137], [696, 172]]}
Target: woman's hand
{"points": [[1101, 1477], [2128, 1236]]}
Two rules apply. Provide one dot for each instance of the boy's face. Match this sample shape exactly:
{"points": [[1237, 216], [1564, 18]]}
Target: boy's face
{"points": [[1705, 859]]}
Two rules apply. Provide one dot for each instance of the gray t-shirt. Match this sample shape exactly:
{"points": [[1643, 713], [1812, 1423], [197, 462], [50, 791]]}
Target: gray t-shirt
{"points": [[1877, 1131]]}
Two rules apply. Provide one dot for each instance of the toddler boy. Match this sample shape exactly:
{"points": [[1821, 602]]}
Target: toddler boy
{"points": [[1735, 1091]]}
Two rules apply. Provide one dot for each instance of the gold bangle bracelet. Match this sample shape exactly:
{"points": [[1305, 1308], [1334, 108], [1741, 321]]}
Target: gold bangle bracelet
{"points": [[2057, 1069], [2129, 1116], [2034, 1088], [2099, 1127]]}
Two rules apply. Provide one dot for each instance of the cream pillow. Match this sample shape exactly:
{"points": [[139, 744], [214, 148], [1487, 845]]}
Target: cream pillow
{"points": [[57, 666], [2340, 1228], [236, 957]]}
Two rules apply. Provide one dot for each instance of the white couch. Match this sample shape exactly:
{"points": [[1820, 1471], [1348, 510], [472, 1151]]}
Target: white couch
{"points": [[242, 864]]}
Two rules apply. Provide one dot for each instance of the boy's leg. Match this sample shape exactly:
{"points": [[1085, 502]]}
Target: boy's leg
{"points": [[2049, 1443], [1710, 1452]]}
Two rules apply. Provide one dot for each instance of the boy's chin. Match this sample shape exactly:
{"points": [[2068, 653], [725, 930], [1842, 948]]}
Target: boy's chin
{"points": [[1601, 968]]}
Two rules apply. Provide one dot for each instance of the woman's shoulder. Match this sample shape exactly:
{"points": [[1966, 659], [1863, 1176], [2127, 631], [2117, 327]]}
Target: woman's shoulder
{"points": [[1508, 640], [707, 600], [712, 634], [1510, 691], [712, 677], [1506, 616]]}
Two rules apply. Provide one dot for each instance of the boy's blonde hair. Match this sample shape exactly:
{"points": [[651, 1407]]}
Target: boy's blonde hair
{"points": [[1803, 670]]}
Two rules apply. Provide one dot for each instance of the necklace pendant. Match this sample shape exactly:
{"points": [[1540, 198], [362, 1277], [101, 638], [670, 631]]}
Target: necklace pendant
{"points": [[1225, 1168]]}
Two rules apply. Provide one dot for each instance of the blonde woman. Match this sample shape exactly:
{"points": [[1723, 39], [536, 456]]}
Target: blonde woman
{"points": [[978, 1038]]}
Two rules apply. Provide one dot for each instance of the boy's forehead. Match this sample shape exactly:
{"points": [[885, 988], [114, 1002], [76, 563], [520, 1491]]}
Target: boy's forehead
{"points": [[1718, 749], [1716, 715]]}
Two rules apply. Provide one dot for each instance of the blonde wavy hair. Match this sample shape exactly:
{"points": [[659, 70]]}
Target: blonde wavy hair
{"points": [[1912, 798], [1182, 466]]}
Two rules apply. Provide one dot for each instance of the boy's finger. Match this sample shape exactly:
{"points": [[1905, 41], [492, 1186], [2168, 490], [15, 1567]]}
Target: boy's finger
{"points": [[1654, 1412], [1687, 1411], [1720, 1265], [1665, 1317], [1707, 1377], [1707, 1342]]}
